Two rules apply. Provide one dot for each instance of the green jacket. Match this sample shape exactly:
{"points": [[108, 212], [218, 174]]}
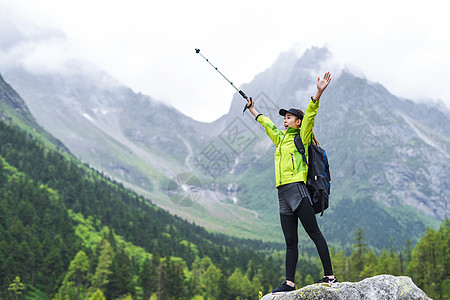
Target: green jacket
{"points": [[289, 165]]}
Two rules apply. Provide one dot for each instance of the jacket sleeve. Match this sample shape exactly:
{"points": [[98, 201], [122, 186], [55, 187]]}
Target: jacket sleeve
{"points": [[272, 131], [308, 122]]}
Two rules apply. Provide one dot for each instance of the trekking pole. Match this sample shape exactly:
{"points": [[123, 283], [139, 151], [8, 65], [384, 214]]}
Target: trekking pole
{"points": [[239, 91]]}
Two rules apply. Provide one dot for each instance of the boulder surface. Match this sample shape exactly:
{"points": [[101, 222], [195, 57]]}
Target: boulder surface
{"points": [[381, 287]]}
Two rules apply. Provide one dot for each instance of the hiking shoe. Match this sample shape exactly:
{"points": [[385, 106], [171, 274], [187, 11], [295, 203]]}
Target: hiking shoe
{"points": [[326, 279], [284, 287]]}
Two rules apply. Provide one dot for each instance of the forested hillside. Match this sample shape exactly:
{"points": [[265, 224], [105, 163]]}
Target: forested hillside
{"points": [[40, 185], [68, 232]]}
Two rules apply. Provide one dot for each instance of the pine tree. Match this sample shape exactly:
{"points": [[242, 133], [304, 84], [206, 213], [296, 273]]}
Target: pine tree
{"points": [[120, 280], [16, 288], [36, 258], [238, 286], [53, 265], [309, 279], [370, 264], [102, 271], [97, 295], [196, 284], [78, 269], [406, 254], [213, 282], [384, 263], [357, 257], [163, 288], [156, 261], [251, 269], [147, 278], [340, 267], [176, 280], [430, 261], [2, 173]]}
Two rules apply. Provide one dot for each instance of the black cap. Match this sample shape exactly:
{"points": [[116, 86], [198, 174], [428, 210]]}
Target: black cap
{"points": [[291, 111]]}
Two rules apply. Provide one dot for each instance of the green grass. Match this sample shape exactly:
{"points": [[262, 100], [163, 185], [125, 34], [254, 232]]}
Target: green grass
{"points": [[222, 217]]}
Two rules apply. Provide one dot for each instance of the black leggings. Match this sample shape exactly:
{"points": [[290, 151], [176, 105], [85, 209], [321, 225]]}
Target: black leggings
{"points": [[289, 224]]}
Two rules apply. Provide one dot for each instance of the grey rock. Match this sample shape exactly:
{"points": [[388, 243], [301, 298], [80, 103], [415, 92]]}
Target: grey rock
{"points": [[381, 287]]}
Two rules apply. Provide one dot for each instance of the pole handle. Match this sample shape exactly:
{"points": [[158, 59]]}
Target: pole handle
{"points": [[246, 98], [243, 94], [247, 106]]}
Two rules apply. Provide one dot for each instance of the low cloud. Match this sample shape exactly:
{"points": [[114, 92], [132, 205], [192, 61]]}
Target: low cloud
{"points": [[150, 46], [36, 49]]}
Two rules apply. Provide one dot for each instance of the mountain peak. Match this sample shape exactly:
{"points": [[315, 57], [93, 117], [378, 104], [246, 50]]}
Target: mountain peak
{"points": [[312, 57]]}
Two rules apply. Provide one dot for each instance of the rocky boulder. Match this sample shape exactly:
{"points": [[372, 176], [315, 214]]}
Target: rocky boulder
{"points": [[382, 287]]}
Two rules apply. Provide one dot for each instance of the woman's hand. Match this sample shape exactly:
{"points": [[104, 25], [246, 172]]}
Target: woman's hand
{"points": [[251, 106], [322, 85], [250, 103]]}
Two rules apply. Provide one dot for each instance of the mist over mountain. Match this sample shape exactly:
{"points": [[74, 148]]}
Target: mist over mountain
{"points": [[389, 156]]}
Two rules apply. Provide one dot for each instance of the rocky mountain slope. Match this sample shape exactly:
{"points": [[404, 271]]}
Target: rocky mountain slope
{"points": [[389, 156], [15, 111]]}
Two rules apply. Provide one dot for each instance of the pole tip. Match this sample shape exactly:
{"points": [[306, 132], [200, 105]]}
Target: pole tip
{"points": [[197, 50]]}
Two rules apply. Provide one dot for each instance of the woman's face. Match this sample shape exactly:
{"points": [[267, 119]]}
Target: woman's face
{"points": [[291, 121]]}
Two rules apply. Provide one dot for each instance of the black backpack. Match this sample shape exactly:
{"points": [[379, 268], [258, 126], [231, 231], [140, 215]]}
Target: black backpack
{"points": [[318, 180]]}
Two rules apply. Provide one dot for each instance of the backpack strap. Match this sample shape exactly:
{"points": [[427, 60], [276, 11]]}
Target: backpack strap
{"points": [[300, 147]]}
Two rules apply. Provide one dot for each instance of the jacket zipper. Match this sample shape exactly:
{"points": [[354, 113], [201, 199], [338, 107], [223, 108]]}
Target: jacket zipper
{"points": [[292, 158], [281, 156]]}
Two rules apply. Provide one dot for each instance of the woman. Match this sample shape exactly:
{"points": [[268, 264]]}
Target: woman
{"points": [[291, 172]]}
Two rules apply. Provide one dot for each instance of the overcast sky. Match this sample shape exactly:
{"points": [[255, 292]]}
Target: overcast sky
{"points": [[149, 45]]}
